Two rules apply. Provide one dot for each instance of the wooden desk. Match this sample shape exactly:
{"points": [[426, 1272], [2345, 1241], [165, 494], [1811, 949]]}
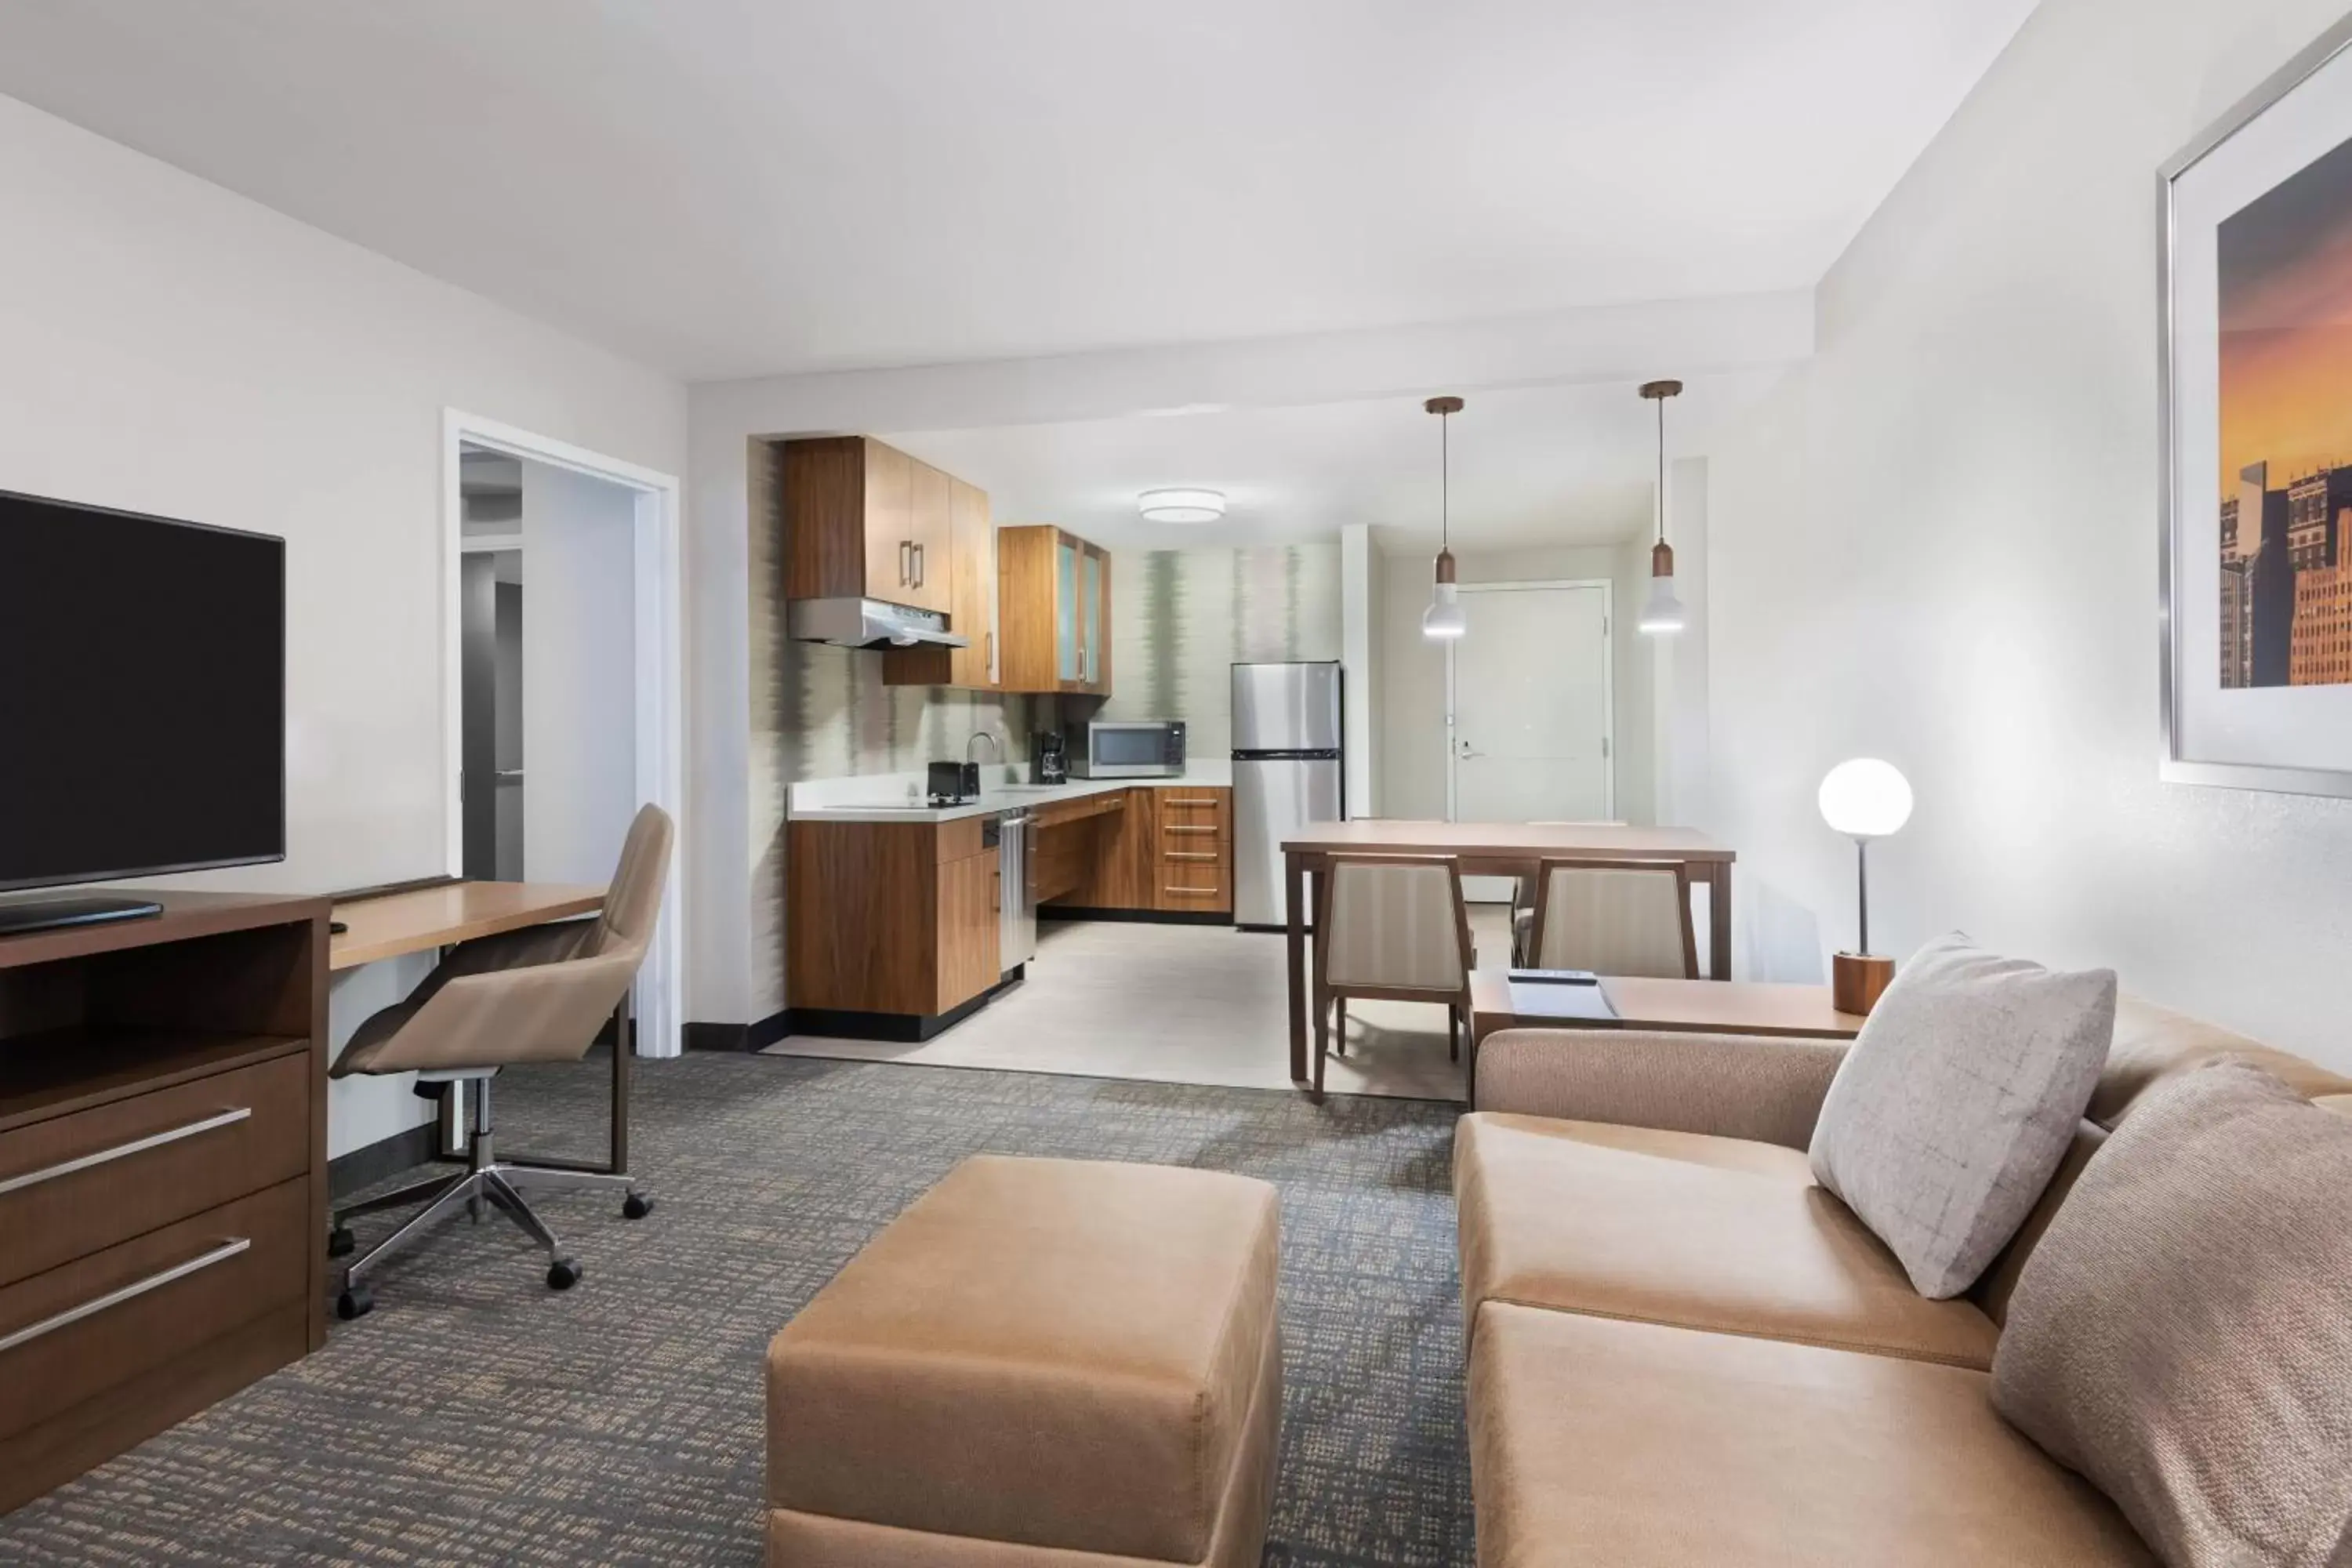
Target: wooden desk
{"points": [[1493, 850], [1673, 1006], [423, 920], [426, 920]]}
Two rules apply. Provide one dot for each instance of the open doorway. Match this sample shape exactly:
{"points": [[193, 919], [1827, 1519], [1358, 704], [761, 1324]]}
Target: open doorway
{"points": [[564, 664]]}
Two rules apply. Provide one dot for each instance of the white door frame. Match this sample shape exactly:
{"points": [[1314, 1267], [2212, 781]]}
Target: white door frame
{"points": [[660, 679], [1608, 685]]}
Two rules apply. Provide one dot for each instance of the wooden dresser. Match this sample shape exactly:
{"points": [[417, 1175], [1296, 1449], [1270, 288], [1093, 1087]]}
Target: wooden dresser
{"points": [[163, 1171]]}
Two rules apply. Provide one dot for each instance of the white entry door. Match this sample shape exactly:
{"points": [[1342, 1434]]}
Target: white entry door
{"points": [[1531, 708]]}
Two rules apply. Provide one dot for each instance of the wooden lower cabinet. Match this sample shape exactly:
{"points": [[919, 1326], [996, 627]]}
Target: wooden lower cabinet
{"points": [[1169, 851], [891, 919]]}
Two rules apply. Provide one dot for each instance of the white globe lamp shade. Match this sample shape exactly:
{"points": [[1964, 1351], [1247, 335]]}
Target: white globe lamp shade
{"points": [[1180, 506], [1865, 798]]}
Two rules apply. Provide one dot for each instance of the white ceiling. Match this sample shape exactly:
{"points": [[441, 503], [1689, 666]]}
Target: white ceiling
{"points": [[731, 187], [1536, 466]]}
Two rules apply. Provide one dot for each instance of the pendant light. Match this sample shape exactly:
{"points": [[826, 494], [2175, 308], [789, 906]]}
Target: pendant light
{"points": [[1444, 618], [1662, 615]]}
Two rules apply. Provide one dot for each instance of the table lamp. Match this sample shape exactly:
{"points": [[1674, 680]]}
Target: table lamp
{"points": [[1863, 799]]}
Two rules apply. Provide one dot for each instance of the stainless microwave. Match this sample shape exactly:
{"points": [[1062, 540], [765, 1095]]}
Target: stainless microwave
{"points": [[1129, 749]]}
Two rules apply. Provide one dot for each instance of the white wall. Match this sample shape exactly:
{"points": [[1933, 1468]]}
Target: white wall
{"points": [[579, 674], [1411, 696], [167, 346], [1938, 545]]}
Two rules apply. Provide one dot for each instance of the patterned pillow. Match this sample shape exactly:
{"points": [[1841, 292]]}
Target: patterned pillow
{"points": [[2182, 1333], [1953, 1109]]}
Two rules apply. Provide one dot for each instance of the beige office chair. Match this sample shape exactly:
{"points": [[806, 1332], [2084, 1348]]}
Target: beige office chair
{"points": [[1614, 918], [1390, 928], [535, 995]]}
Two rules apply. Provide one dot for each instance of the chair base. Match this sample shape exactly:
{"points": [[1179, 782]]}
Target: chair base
{"points": [[486, 1179]]}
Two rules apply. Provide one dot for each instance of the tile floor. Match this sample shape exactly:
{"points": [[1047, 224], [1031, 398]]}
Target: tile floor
{"points": [[1177, 1004]]}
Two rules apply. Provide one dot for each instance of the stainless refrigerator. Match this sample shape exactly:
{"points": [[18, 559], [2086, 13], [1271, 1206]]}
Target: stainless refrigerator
{"points": [[1288, 773]]}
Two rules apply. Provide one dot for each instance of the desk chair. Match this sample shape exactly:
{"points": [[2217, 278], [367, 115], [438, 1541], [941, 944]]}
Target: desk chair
{"points": [[535, 995], [1390, 928], [1614, 918]]}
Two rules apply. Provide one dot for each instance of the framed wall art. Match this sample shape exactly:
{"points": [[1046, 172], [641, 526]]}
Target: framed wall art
{"points": [[2257, 372]]}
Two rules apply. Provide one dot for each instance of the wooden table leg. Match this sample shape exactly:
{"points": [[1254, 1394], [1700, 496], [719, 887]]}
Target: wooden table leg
{"points": [[1718, 922], [1294, 964]]}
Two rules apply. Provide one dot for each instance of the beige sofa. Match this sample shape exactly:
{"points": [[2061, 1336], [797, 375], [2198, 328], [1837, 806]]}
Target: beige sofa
{"points": [[1684, 1351]]}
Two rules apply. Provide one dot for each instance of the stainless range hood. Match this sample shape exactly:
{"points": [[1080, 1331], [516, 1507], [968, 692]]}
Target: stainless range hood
{"points": [[867, 623]]}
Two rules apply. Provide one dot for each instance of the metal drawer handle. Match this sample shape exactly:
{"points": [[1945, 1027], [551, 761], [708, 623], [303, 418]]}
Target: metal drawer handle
{"points": [[1171, 801], [1188, 855], [136, 1146], [1184, 827], [1194, 892], [31, 1331]]}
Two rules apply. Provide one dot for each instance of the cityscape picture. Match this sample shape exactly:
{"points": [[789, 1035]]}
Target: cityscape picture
{"points": [[2285, 286]]}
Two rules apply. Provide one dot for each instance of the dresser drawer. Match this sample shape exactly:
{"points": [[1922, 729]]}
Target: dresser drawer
{"points": [[74, 1185], [85, 1326]]}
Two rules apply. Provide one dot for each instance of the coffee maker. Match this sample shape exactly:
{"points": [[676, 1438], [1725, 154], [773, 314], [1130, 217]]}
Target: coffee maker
{"points": [[1052, 765]]}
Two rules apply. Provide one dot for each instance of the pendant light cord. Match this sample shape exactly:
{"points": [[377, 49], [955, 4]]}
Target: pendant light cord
{"points": [[1445, 481], [1662, 470]]}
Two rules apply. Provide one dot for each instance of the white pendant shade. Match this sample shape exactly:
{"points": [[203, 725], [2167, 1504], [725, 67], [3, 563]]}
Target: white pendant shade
{"points": [[1444, 618], [1662, 613]]}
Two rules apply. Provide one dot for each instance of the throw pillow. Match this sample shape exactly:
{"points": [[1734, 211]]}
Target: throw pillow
{"points": [[1956, 1102], [2182, 1333]]}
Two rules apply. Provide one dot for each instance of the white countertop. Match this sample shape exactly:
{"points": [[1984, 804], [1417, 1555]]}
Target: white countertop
{"points": [[896, 797]]}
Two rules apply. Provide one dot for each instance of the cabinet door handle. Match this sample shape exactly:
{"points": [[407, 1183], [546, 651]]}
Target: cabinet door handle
{"points": [[31, 1331], [906, 561], [136, 1146], [1188, 855], [992, 674], [1187, 827], [1193, 892], [1209, 804], [919, 565]]}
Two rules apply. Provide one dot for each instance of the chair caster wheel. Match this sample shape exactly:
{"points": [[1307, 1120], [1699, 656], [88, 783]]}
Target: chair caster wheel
{"points": [[340, 1242], [356, 1301], [636, 1206], [562, 1274]]}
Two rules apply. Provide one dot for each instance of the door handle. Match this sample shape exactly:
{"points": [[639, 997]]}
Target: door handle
{"points": [[919, 565], [906, 561], [990, 660]]}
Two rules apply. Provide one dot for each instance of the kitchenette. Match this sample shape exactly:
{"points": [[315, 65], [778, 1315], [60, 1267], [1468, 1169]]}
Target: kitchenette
{"points": [[916, 897], [912, 890]]}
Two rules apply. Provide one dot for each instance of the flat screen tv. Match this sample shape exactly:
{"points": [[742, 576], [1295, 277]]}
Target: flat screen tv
{"points": [[142, 695]]}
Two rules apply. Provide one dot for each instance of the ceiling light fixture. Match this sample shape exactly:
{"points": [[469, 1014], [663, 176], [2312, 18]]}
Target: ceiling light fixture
{"points": [[1444, 618], [1180, 506], [1663, 614]]}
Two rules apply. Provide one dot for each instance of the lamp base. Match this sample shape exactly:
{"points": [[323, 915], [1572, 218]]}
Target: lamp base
{"points": [[1857, 980]]}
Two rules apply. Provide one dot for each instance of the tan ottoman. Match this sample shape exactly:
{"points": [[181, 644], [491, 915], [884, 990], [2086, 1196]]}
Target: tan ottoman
{"points": [[1045, 1362]]}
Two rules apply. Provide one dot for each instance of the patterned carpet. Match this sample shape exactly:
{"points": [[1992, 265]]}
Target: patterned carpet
{"points": [[477, 1418]]}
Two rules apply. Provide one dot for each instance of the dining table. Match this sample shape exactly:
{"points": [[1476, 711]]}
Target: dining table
{"points": [[1490, 849]]}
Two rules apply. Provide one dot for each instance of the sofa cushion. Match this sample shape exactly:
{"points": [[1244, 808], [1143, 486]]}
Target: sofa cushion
{"points": [[1641, 1446], [1958, 1101], [1684, 1228], [2155, 1045], [1052, 1353], [2181, 1336]]}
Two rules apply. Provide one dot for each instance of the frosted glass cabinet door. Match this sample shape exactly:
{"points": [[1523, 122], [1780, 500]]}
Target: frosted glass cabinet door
{"points": [[1066, 611], [1094, 639]]}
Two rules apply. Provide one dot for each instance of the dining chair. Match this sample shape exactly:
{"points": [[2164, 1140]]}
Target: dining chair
{"points": [[1613, 917], [1523, 889], [1390, 928]]}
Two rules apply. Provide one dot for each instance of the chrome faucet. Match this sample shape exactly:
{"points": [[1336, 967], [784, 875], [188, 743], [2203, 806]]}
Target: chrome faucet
{"points": [[989, 736]]}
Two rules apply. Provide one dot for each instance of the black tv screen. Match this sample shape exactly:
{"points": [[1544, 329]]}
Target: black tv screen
{"points": [[142, 695]]}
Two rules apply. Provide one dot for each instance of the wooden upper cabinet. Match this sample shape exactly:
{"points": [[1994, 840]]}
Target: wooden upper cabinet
{"points": [[1053, 611], [865, 519], [971, 608]]}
